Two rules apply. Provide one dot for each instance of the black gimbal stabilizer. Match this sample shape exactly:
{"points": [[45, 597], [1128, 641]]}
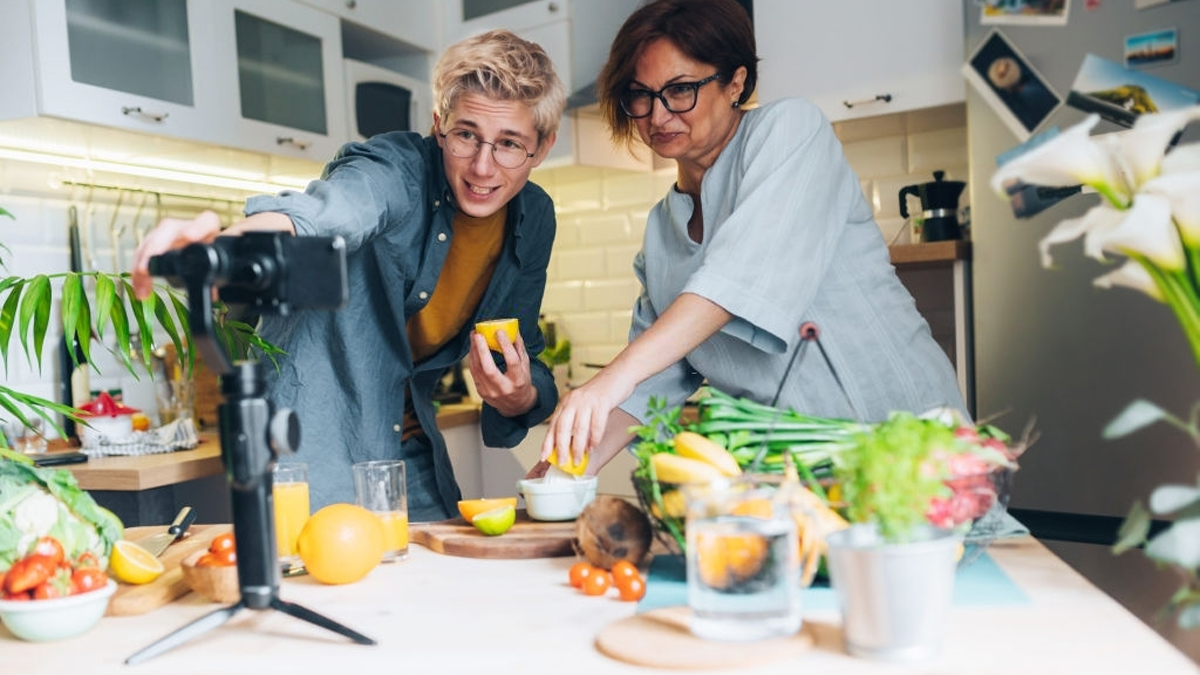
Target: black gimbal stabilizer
{"points": [[276, 273]]}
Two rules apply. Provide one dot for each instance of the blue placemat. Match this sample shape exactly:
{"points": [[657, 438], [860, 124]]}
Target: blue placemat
{"points": [[980, 583]]}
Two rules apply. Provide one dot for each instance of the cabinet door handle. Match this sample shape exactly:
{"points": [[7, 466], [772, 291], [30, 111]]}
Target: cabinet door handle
{"points": [[553, 7], [288, 140], [886, 98], [137, 110], [351, 4]]}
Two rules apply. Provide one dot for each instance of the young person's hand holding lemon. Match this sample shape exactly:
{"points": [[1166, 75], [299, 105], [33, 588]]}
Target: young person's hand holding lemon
{"points": [[509, 390]]}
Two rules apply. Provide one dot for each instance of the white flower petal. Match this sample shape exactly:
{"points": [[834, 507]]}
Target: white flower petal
{"points": [[1183, 159], [1102, 216], [1070, 158], [1143, 146], [1131, 275], [1182, 190], [1146, 229]]}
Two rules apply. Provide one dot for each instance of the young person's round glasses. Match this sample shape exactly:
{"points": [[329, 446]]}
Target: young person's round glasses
{"points": [[465, 143], [679, 97]]}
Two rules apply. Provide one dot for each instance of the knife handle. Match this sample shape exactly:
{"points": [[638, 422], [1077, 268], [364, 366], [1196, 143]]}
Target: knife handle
{"points": [[182, 522]]}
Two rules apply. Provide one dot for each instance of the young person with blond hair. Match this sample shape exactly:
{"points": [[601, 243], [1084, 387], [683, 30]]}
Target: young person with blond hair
{"points": [[441, 231]]}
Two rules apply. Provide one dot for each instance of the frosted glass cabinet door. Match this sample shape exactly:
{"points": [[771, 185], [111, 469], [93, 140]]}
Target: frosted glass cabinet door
{"points": [[125, 63], [285, 61]]}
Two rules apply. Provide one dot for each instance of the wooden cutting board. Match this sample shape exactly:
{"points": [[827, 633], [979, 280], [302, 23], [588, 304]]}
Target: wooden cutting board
{"points": [[130, 599], [527, 539], [661, 638]]}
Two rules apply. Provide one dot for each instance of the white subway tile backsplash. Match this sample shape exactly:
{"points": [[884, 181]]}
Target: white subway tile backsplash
{"points": [[619, 324], [619, 259], [613, 294], [588, 328], [581, 263], [562, 296], [627, 190], [931, 151], [877, 156], [600, 229], [578, 196]]}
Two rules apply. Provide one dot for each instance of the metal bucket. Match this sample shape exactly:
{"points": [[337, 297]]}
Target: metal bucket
{"points": [[894, 597]]}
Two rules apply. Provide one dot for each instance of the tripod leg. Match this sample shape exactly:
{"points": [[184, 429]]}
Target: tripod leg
{"points": [[199, 626], [324, 622]]}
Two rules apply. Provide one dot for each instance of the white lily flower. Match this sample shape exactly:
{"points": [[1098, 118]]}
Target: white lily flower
{"points": [[1101, 217], [1131, 275], [1145, 230], [1143, 146], [1070, 158], [1183, 159], [1182, 191]]}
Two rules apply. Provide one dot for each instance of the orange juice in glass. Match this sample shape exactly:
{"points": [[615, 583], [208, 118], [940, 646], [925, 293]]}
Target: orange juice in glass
{"points": [[290, 494], [379, 488]]}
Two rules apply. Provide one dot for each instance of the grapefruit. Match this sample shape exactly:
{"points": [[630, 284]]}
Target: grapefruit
{"points": [[341, 543]]}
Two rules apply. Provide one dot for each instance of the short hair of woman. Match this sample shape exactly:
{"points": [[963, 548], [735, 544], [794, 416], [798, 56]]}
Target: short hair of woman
{"points": [[716, 32], [499, 65]]}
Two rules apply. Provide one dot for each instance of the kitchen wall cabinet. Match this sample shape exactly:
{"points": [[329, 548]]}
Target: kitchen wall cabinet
{"points": [[282, 78], [907, 56], [414, 22], [135, 65]]}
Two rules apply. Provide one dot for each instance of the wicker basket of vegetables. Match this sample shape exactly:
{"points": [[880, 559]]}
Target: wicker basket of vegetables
{"points": [[732, 435]]}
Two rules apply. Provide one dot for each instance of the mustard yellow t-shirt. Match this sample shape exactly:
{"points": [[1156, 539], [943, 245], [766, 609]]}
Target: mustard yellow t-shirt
{"points": [[474, 250]]}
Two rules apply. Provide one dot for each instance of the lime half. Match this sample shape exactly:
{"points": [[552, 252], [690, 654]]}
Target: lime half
{"points": [[496, 521]]}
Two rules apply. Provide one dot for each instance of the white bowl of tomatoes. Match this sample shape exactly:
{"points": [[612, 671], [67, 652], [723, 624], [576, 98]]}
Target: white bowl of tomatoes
{"points": [[44, 596]]}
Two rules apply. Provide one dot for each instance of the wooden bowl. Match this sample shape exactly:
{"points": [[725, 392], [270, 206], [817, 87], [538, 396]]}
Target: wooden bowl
{"points": [[216, 584]]}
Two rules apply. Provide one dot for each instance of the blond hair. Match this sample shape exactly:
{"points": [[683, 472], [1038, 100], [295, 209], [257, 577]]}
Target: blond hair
{"points": [[499, 65]]}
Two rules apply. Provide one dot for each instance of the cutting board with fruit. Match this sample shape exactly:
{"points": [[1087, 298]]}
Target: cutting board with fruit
{"points": [[138, 599], [525, 539]]}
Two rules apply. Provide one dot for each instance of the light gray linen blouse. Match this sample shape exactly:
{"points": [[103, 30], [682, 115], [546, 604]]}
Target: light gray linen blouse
{"points": [[789, 238]]}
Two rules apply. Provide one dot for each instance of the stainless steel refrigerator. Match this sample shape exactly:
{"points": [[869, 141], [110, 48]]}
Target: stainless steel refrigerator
{"points": [[1051, 347]]}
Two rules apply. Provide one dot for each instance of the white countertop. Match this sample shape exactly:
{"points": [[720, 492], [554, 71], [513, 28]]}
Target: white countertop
{"points": [[441, 614]]}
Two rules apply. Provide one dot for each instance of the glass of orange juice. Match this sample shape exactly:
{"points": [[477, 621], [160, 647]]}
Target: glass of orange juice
{"points": [[379, 487], [290, 493]]}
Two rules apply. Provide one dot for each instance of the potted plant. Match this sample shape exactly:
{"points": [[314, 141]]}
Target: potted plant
{"points": [[1148, 221], [910, 487], [95, 306]]}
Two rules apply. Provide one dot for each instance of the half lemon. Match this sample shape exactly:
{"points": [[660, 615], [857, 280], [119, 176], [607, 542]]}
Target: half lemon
{"points": [[133, 564], [489, 329]]}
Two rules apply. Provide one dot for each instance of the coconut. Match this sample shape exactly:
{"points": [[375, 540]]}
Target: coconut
{"points": [[611, 529]]}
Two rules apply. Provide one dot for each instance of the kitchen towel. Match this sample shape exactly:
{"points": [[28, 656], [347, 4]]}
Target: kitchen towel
{"points": [[180, 434], [982, 582]]}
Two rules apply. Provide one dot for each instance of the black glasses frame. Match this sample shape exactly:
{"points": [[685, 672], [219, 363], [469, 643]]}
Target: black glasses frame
{"points": [[479, 143], [694, 86]]}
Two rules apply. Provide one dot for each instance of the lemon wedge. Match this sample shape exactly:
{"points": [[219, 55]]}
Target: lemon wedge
{"points": [[495, 522], [488, 330], [133, 564]]}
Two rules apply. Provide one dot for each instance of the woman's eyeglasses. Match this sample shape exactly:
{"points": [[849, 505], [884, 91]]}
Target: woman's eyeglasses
{"points": [[677, 98], [465, 143]]}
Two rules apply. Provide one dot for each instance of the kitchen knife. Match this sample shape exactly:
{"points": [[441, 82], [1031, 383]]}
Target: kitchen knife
{"points": [[157, 543]]}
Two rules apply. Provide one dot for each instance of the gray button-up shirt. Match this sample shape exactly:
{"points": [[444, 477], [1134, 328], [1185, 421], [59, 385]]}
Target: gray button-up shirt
{"points": [[347, 373], [789, 238]]}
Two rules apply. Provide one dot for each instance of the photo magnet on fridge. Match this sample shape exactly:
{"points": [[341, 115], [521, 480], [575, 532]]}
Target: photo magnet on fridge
{"points": [[1152, 49], [1024, 12], [1120, 95], [1004, 78]]}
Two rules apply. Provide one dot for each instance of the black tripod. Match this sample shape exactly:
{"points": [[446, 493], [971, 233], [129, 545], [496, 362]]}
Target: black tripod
{"points": [[252, 434]]}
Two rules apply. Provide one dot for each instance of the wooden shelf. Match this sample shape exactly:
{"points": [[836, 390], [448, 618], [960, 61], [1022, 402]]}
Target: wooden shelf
{"points": [[932, 252]]}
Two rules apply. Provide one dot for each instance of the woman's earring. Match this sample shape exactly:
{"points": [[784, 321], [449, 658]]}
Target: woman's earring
{"points": [[737, 104]]}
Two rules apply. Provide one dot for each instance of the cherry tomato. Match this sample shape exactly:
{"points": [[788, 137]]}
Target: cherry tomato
{"points": [[622, 571], [28, 573], [579, 573], [633, 590], [87, 559], [226, 557], [47, 590], [87, 579], [223, 542], [207, 560], [17, 597], [597, 583], [49, 547]]}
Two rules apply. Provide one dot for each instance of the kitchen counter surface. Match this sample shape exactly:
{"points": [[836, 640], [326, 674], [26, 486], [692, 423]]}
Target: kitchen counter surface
{"points": [[435, 613], [146, 472]]}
